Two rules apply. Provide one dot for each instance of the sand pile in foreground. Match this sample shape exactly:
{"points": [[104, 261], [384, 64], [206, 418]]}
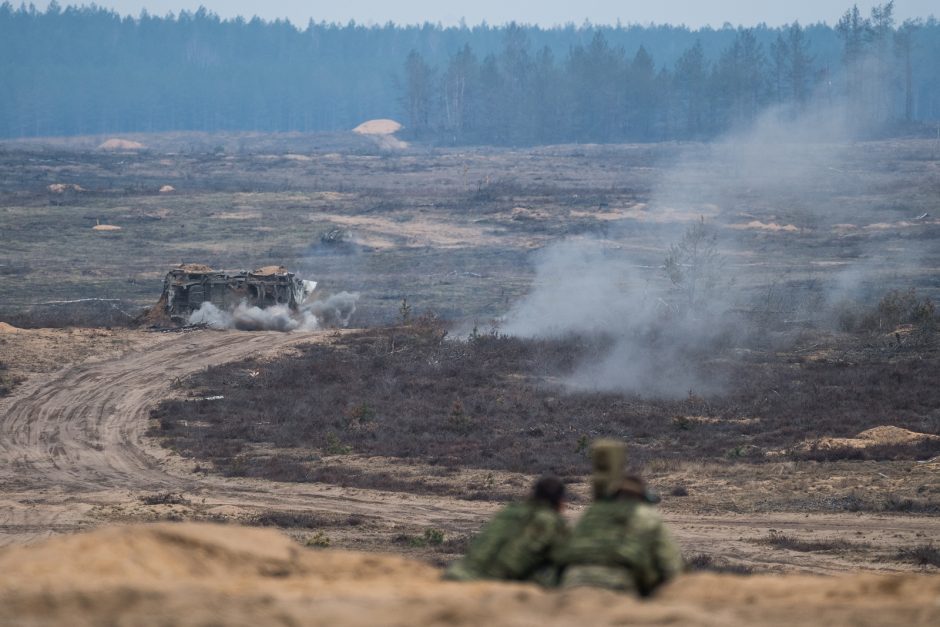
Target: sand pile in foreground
{"points": [[196, 574]]}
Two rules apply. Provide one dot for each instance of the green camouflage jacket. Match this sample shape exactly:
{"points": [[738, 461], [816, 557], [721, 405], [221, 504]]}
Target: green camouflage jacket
{"points": [[517, 544], [619, 544]]}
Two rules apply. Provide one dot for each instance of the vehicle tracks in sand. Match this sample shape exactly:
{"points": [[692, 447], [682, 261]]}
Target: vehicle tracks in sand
{"points": [[74, 440]]}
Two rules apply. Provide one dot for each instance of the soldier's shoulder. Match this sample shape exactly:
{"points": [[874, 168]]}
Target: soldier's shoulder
{"points": [[647, 516], [548, 517]]}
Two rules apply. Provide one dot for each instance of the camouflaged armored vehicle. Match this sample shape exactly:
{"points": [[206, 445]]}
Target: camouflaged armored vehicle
{"points": [[187, 287]]}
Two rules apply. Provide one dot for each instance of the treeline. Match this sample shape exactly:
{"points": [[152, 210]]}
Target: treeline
{"points": [[89, 70], [886, 74]]}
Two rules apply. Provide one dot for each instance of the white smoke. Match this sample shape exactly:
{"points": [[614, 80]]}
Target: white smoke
{"points": [[797, 163], [588, 287], [335, 311]]}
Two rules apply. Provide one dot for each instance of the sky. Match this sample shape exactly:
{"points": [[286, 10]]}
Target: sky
{"points": [[692, 13]]}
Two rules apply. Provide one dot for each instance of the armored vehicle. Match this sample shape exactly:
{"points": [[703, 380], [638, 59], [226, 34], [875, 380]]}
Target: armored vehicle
{"points": [[188, 286]]}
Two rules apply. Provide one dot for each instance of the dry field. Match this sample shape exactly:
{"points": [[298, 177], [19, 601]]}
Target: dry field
{"points": [[816, 453]]}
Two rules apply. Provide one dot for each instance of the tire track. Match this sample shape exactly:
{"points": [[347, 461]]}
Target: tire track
{"points": [[75, 439]]}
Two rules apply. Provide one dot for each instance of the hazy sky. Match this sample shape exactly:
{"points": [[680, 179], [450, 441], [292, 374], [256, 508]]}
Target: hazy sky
{"points": [[693, 13]]}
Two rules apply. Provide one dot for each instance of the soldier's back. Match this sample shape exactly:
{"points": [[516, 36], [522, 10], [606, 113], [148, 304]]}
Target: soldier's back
{"points": [[516, 544], [621, 545]]}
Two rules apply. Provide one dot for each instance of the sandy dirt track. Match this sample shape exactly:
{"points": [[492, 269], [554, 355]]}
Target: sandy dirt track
{"points": [[72, 443], [74, 440]]}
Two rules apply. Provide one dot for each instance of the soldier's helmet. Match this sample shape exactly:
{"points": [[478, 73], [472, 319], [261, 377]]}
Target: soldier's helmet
{"points": [[608, 458]]}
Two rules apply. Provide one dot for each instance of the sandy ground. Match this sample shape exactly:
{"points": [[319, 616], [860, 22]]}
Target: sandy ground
{"points": [[73, 456], [207, 574]]}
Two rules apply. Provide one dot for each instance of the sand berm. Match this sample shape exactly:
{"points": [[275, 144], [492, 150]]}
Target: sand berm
{"points": [[201, 574]]}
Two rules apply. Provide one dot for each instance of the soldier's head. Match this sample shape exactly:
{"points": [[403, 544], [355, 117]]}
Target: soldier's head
{"points": [[550, 491], [633, 487]]}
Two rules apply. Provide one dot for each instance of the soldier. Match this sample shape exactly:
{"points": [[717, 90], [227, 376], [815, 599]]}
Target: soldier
{"points": [[620, 542], [519, 542]]}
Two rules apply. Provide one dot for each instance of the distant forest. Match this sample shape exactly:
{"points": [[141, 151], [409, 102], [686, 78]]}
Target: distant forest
{"points": [[88, 70]]}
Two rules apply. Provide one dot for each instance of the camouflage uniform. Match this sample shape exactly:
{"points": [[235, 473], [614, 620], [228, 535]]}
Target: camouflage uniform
{"points": [[619, 544], [516, 545]]}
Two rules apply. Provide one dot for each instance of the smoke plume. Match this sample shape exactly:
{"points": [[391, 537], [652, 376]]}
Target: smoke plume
{"points": [[793, 169]]}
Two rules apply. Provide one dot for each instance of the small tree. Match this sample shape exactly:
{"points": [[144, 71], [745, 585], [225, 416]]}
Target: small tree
{"points": [[693, 263]]}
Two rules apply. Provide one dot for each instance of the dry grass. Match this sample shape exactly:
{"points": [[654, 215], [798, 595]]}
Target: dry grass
{"points": [[922, 555], [779, 540], [488, 402]]}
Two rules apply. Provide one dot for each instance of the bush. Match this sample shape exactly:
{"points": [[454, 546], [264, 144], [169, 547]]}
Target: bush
{"points": [[704, 562], [289, 520], [6, 381], [779, 540], [896, 308], [491, 190], [164, 498], [922, 555], [319, 540], [434, 537]]}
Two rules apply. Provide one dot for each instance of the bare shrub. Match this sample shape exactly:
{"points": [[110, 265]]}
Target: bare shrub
{"points": [[6, 381], [319, 540], [693, 264], [707, 563], [779, 540], [921, 555], [290, 520], [900, 307], [164, 498], [492, 189]]}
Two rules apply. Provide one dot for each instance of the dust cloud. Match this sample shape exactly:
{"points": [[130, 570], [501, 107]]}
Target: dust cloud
{"points": [[334, 311]]}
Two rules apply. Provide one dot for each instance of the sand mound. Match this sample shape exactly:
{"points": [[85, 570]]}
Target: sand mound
{"points": [[8, 328], [378, 127], [766, 226], [61, 188], [189, 574], [167, 189], [120, 144], [876, 436], [105, 227]]}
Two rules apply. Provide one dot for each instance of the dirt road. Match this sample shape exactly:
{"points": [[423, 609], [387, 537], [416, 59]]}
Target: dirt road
{"points": [[72, 445]]}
